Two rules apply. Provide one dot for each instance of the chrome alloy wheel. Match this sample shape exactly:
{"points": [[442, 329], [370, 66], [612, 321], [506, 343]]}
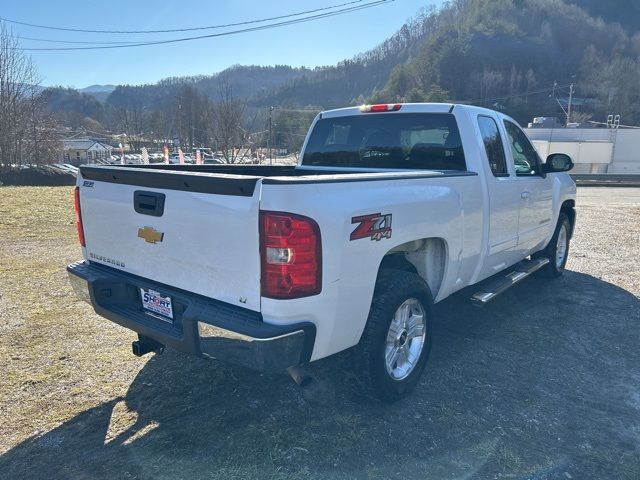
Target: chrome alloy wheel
{"points": [[405, 339], [561, 246]]}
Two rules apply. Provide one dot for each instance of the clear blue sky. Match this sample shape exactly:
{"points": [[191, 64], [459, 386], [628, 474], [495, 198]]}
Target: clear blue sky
{"points": [[320, 42]]}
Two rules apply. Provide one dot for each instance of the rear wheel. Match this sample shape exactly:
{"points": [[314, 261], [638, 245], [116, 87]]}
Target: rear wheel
{"points": [[395, 344], [557, 251]]}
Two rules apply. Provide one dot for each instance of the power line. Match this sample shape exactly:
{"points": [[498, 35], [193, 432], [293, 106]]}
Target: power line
{"points": [[75, 41], [504, 97], [305, 110], [187, 29], [213, 35]]}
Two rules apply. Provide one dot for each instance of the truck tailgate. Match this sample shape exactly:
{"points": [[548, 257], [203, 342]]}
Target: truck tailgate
{"points": [[203, 238]]}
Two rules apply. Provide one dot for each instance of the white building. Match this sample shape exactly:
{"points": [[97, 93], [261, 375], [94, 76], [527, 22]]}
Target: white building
{"points": [[593, 150], [84, 150]]}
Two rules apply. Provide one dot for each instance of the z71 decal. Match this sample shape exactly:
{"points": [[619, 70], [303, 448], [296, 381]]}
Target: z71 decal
{"points": [[374, 226]]}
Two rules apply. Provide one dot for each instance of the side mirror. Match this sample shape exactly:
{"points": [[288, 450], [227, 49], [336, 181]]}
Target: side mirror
{"points": [[558, 162]]}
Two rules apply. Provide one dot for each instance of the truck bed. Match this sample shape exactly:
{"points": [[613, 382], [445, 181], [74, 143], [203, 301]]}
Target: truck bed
{"points": [[240, 179], [195, 227]]}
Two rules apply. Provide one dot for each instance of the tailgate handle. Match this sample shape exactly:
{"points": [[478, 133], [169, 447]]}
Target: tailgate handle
{"points": [[148, 203]]}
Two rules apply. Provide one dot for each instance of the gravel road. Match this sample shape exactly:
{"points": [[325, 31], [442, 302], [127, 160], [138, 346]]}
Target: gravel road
{"points": [[542, 383]]}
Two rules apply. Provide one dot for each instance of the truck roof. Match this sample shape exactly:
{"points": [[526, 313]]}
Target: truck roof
{"points": [[404, 107], [411, 108]]}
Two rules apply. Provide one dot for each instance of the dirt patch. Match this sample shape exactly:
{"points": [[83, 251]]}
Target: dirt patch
{"points": [[544, 383]]}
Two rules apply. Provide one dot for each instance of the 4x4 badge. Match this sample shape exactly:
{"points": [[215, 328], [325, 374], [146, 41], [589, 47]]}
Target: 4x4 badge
{"points": [[150, 235], [375, 226]]}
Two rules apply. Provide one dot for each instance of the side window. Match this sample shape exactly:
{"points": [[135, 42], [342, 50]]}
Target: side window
{"points": [[525, 156], [493, 146]]}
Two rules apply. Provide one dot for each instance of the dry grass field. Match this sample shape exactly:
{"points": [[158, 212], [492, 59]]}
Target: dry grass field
{"points": [[544, 383]]}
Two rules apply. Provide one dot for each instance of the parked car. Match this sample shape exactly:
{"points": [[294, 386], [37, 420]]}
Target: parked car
{"points": [[392, 208], [65, 168], [73, 168], [213, 161]]}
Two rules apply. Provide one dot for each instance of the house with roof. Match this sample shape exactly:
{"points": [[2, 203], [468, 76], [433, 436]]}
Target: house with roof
{"points": [[77, 151]]}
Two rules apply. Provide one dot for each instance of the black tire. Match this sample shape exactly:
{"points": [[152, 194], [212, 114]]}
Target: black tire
{"points": [[553, 269], [393, 288]]}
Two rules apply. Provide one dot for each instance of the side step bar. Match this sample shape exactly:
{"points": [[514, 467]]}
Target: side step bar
{"points": [[493, 287]]}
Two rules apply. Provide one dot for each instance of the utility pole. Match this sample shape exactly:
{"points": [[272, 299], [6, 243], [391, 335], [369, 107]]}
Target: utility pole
{"points": [[613, 136], [269, 143], [193, 126], [570, 101], [179, 126]]}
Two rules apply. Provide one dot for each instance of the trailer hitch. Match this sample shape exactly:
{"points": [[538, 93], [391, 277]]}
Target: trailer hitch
{"points": [[145, 345]]}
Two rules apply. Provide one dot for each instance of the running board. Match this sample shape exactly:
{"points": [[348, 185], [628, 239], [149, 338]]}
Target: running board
{"points": [[493, 287]]}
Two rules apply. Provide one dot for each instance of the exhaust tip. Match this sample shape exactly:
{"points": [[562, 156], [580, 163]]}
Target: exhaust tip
{"points": [[300, 376]]}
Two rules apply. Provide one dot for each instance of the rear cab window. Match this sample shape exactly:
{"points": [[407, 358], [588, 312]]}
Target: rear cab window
{"points": [[403, 141], [493, 146]]}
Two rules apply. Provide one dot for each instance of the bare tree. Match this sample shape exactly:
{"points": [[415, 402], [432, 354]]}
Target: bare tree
{"points": [[290, 128], [130, 118], [27, 133], [42, 143], [190, 113], [227, 115]]}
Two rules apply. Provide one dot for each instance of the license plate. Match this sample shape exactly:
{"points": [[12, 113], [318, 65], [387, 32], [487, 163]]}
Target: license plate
{"points": [[157, 303]]}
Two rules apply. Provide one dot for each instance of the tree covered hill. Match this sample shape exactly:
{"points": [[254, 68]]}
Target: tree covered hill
{"points": [[247, 82], [624, 12], [503, 54], [354, 79], [507, 54], [96, 101]]}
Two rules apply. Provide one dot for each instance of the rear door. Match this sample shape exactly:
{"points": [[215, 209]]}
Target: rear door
{"points": [[177, 229], [503, 190]]}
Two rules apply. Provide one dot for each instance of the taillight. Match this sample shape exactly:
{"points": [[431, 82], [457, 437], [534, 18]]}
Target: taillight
{"points": [[291, 255], [76, 207], [381, 107]]}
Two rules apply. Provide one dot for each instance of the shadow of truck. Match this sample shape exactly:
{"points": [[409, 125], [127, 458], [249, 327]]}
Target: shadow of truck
{"points": [[542, 383]]}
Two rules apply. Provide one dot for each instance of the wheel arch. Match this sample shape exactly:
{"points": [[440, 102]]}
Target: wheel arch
{"points": [[425, 257]]}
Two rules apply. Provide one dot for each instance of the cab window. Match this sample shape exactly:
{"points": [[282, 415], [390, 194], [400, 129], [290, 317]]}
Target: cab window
{"points": [[493, 146], [425, 141], [525, 157]]}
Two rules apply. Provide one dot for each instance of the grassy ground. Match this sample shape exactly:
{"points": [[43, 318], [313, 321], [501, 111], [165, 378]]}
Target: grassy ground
{"points": [[542, 384]]}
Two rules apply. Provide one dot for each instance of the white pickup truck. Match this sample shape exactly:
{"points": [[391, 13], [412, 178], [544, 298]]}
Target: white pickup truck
{"points": [[391, 208]]}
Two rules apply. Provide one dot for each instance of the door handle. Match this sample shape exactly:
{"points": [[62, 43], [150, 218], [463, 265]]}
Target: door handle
{"points": [[148, 203], [525, 195]]}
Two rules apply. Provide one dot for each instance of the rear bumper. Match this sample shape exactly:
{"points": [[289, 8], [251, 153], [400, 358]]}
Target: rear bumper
{"points": [[202, 326]]}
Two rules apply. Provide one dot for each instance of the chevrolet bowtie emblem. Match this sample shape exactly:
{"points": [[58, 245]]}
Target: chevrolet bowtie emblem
{"points": [[150, 235]]}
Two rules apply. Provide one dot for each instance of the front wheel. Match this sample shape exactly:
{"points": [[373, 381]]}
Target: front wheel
{"points": [[396, 342], [558, 249]]}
